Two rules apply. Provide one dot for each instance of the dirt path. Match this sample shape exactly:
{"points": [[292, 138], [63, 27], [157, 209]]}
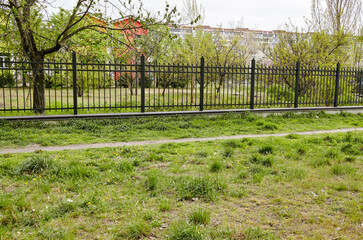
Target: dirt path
{"points": [[33, 148]]}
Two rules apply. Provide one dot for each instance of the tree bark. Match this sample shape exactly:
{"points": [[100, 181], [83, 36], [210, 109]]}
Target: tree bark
{"points": [[37, 66]]}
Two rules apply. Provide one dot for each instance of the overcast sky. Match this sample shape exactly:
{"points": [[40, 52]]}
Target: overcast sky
{"points": [[255, 14]]}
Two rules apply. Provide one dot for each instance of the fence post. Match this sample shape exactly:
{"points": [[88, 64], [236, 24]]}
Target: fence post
{"points": [[297, 79], [252, 97], [142, 83], [74, 68], [337, 86], [201, 89]]}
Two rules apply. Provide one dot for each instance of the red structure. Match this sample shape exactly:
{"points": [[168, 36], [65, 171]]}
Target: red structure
{"points": [[131, 29]]}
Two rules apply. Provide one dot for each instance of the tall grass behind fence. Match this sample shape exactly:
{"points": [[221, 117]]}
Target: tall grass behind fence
{"points": [[95, 86]]}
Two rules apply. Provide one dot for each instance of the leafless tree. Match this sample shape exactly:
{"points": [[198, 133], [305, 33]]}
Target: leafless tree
{"points": [[339, 16]]}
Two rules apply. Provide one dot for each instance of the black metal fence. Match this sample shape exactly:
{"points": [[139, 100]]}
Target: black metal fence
{"points": [[88, 87]]}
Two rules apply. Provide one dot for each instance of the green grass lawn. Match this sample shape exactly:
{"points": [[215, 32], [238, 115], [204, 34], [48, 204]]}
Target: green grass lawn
{"points": [[293, 187], [18, 134]]}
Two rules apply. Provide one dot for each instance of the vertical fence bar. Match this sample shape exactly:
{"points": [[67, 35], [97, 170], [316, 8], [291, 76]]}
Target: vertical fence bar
{"points": [[74, 66], [142, 83], [297, 79], [252, 97], [201, 89], [336, 93]]}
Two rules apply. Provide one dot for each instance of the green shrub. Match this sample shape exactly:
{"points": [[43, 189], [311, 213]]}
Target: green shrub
{"points": [[7, 79], [57, 80], [280, 93]]}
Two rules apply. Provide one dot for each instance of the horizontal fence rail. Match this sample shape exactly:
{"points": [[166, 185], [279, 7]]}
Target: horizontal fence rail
{"points": [[138, 87]]}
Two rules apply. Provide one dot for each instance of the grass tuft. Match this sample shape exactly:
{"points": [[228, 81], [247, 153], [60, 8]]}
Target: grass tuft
{"points": [[266, 150], [216, 165], [258, 233], [184, 230], [342, 169], [125, 166], [228, 152], [206, 187], [137, 229], [199, 216], [36, 164]]}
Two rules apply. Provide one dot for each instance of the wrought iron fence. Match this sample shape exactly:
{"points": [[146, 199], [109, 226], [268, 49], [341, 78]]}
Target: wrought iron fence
{"points": [[82, 87]]}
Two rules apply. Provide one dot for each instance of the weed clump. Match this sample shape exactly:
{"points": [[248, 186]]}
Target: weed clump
{"points": [[292, 136], [350, 149], [137, 229], [185, 230], [232, 144], [266, 150], [206, 187], [264, 161], [164, 205], [228, 152], [125, 166], [152, 180], [301, 151], [258, 233], [350, 159], [320, 162], [342, 169], [153, 157], [270, 126], [199, 216], [332, 153], [216, 166], [36, 164]]}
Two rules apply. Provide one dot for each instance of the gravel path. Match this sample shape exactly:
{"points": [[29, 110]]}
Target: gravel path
{"points": [[33, 148]]}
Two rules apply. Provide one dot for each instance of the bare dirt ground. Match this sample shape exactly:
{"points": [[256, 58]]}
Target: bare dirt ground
{"points": [[33, 148]]}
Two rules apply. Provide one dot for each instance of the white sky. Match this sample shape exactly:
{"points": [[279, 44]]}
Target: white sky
{"points": [[255, 14]]}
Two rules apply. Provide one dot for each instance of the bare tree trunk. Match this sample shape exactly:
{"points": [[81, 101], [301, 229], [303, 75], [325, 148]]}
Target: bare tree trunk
{"points": [[38, 85]]}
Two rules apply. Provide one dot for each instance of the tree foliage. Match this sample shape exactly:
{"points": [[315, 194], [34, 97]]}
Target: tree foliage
{"points": [[40, 33]]}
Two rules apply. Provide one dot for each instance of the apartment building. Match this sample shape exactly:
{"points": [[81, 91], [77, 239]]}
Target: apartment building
{"points": [[258, 39]]}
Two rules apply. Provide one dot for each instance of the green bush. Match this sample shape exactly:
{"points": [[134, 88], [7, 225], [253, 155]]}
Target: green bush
{"points": [[57, 80], [280, 93], [6, 79]]}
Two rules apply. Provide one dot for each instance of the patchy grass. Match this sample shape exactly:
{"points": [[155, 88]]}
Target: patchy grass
{"points": [[310, 187], [18, 134]]}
